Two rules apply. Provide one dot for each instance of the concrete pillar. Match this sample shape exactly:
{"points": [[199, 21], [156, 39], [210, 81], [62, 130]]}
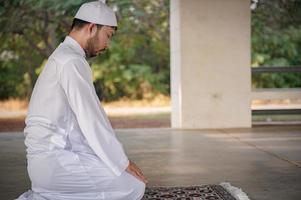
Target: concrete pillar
{"points": [[210, 63]]}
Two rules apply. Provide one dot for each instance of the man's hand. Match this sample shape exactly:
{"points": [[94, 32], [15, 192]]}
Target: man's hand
{"points": [[135, 171]]}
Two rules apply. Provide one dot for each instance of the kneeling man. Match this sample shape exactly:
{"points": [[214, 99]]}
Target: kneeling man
{"points": [[72, 150]]}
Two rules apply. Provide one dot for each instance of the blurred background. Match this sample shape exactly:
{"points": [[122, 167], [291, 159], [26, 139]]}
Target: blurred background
{"points": [[132, 79]]}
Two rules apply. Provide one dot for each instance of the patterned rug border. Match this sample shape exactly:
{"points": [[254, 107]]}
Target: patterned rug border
{"points": [[223, 191], [161, 186]]}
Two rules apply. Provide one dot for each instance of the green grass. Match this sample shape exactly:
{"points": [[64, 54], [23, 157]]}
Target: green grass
{"points": [[255, 118], [146, 116], [285, 118]]}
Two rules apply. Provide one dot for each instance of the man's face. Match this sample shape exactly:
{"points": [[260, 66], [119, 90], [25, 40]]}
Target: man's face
{"points": [[99, 42]]}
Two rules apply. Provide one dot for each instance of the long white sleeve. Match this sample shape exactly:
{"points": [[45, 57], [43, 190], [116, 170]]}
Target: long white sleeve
{"points": [[77, 83]]}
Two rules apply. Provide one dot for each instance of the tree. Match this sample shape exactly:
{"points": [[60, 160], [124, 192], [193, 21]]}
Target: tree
{"points": [[137, 65], [138, 62], [276, 41], [30, 31]]}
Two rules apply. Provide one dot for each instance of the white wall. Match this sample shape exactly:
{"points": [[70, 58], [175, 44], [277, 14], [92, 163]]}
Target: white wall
{"points": [[210, 63]]}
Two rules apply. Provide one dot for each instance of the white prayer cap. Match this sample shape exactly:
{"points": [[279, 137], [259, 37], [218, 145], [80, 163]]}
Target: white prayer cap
{"points": [[97, 12]]}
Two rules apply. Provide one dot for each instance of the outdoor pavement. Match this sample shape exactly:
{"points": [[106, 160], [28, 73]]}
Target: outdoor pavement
{"points": [[265, 162]]}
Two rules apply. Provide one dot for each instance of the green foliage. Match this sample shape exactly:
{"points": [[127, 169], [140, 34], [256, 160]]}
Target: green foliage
{"points": [[137, 65], [30, 31], [276, 41], [8, 78]]}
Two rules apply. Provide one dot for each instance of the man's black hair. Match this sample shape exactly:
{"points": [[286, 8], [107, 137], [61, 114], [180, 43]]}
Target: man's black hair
{"points": [[78, 24]]}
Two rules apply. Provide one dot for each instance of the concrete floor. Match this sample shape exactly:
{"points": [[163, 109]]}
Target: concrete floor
{"points": [[264, 161]]}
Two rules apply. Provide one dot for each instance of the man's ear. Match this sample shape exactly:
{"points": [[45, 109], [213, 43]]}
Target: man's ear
{"points": [[92, 29]]}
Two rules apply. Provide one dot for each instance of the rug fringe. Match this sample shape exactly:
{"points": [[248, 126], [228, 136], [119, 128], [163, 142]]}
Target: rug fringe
{"points": [[237, 193]]}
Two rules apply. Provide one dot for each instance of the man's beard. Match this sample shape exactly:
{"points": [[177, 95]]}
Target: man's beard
{"points": [[90, 49]]}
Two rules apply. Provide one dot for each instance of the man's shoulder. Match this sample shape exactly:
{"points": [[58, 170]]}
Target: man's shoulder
{"points": [[63, 54]]}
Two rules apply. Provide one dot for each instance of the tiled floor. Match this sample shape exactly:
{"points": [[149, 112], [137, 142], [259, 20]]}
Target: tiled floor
{"points": [[264, 161]]}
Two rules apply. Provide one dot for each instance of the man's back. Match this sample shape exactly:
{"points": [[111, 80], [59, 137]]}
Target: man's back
{"points": [[48, 99], [49, 109]]}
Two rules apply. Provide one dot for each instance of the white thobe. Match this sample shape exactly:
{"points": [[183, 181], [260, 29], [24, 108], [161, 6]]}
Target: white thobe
{"points": [[72, 150]]}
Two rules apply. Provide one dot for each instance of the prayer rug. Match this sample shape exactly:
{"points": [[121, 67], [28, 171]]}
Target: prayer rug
{"points": [[223, 191]]}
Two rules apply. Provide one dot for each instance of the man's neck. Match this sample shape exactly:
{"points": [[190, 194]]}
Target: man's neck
{"points": [[77, 38]]}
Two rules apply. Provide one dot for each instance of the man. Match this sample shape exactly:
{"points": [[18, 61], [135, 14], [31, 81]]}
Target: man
{"points": [[72, 150]]}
